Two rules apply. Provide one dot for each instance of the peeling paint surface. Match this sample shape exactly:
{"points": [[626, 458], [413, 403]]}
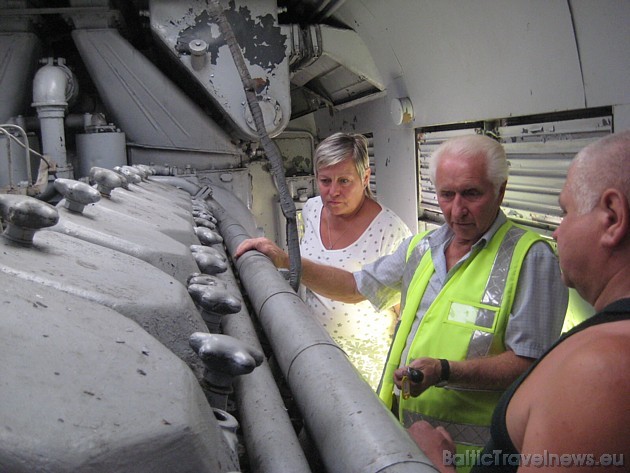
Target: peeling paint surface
{"points": [[259, 37], [184, 25]]}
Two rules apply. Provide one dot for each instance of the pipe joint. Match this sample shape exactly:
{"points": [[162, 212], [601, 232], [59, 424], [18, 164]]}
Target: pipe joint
{"points": [[50, 111], [53, 86]]}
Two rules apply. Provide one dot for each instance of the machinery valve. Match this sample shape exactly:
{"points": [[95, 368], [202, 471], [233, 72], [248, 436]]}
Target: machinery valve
{"points": [[77, 194], [106, 180], [207, 236], [225, 357], [25, 215]]}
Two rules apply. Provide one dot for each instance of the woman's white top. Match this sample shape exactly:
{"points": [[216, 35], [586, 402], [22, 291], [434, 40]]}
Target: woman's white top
{"points": [[362, 332]]}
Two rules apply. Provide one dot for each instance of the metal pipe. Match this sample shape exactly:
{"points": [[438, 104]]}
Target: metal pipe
{"points": [[50, 98], [179, 182], [270, 439], [351, 428]]}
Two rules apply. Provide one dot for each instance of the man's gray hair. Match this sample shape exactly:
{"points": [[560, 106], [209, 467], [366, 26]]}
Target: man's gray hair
{"points": [[599, 166], [470, 146]]}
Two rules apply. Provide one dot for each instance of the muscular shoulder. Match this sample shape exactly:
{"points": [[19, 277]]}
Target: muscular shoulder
{"points": [[579, 387], [601, 351], [595, 360]]}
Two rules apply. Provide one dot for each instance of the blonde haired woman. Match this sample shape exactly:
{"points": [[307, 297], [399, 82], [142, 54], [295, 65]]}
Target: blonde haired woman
{"points": [[345, 227]]}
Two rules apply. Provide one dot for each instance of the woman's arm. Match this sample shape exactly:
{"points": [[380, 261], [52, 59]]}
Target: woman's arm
{"points": [[331, 282]]}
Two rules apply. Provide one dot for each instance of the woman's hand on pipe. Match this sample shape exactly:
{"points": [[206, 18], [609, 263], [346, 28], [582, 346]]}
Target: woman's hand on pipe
{"points": [[267, 247]]}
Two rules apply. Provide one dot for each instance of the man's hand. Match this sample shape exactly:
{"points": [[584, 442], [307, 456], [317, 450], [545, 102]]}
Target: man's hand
{"points": [[433, 442], [267, 247], [494, 372], [431, 370]]}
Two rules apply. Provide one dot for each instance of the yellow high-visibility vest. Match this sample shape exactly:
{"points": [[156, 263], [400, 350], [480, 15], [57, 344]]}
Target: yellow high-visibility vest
{"points": [[466, 320]]}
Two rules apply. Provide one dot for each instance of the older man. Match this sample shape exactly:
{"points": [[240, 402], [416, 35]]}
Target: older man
{"points": [[570, 410], [481, 297]]}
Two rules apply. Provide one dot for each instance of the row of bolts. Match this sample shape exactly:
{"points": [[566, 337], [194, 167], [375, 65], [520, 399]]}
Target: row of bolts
{"points": [[224, 356]]}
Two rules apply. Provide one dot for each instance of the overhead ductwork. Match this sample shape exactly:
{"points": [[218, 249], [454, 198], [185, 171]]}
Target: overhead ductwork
{"points": [[330, 67]]}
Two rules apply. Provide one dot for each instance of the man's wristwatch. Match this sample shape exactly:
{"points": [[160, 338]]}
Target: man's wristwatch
{"points": [[445, 373]]}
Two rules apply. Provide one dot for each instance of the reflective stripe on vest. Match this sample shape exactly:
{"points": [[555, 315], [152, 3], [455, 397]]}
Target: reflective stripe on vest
{"points": [[481, 341], [466, 320]]}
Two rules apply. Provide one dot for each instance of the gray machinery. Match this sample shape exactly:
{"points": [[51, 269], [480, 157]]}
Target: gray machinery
{"points": [[131, 341]]}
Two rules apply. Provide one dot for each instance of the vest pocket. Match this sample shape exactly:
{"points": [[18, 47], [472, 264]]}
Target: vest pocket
{"points": [[478, 322], [474, 316]]}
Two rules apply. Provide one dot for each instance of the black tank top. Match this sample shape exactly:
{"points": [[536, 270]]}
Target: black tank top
{"points": [[499, 454]]}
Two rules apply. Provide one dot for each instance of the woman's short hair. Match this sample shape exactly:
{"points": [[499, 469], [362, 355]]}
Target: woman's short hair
{"points": [[469, 146], [341, 146]]}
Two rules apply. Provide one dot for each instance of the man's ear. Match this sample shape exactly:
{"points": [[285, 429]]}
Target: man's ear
{"points": [[617, 214], [502, 191]]}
